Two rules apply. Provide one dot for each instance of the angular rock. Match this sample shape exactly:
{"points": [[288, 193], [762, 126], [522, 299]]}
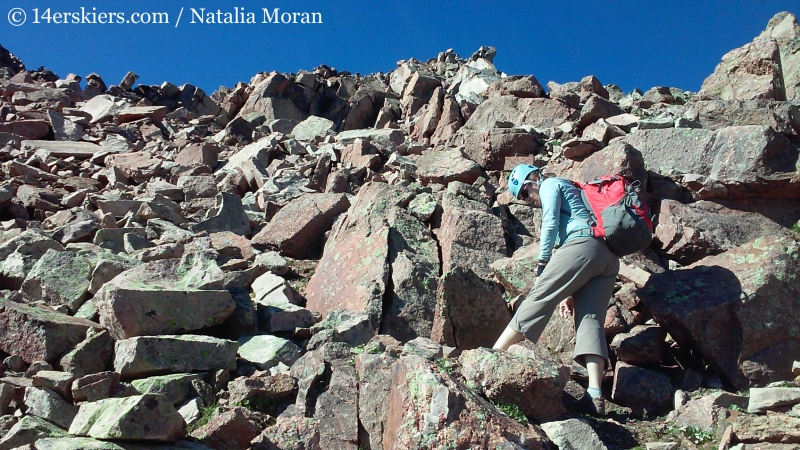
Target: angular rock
{"points": [[754, 161], [641, 389], [265, 387], [493, 148], [146, 301], [291, 433], [38, 333], [539, 112], [432, 410], [46, 404], [19, 254], [360, 156], [59, 382], [756, 431], [374, 388], [443, 167], [227, 215], [424, 348], [277, 316], [415, 265], [470, 312], [518, 86], [307, 370], [155, 355], [716, 114], [148, 417], [772, 398], [206, 154], [573, 433], [534, 386], [94, 387], [351, 327], [232, 429], [131, 114], [266, 352], [735, 310], [298, 228], [690, 232], [596, 108], [353, 272], [28, 430], [59, 278], [643, 345], [176, 388], [750, 72], [135, 165], [337, 410], [313, 128], [470, 235], [386, 138]]}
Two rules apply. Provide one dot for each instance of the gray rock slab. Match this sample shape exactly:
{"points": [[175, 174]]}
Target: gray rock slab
{"points": [[148, 417], [765, 399], [573, 434], [156, 355], [266, 351], [46, 404]]}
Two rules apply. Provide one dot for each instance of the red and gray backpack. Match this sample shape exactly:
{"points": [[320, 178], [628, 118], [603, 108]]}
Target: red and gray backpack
{"points": [[624, 220]]}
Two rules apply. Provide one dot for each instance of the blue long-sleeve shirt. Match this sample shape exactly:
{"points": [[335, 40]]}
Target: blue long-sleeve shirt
{"points": [[563, 213]]}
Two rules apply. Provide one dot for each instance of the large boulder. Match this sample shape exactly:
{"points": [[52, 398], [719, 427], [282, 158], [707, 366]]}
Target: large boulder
{"points": [[784, 29], [19, 254], [156, 355], [162, 297], [538, 112], [266, 351], [492, 148], [734, 162], [783, 117], [445, 166], [690, 232], [298, 229], [735, 309], [430, 410], [645, 391], [535, 386], [470, 311], [226, 215], [414, 264], [471, 235], [750, 72], [337, 410], [354, 270], [149, 417], [59, 278], [232, 429], [38, 333], [28, 430], [617, 158], [374, 390]]}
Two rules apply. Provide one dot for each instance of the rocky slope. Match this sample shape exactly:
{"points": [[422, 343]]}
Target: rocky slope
{"points": [[319, 260]]}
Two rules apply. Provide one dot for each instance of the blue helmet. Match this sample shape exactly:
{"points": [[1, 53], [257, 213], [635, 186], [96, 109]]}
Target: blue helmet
{"points": [[518, 176]]}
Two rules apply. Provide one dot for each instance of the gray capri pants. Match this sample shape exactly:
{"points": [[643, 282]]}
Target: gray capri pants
{"points": [[585, 269]]}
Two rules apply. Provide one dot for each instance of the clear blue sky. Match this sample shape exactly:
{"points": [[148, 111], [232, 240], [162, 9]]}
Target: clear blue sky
{"points": [[631, 43]]}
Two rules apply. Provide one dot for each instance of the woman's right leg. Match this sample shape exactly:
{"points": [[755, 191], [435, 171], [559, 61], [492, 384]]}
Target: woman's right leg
{"points": [[570, 268]]}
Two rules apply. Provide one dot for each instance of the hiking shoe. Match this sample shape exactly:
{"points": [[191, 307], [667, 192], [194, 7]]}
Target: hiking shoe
{"points": [[598, 408]]}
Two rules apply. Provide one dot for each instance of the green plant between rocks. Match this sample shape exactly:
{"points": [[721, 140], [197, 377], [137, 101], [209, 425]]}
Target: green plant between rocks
{"points": [[206, 413], [697, 436], [512, 411], [445, 365]]}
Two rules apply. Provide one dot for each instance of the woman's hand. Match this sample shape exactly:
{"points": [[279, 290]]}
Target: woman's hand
{"points": [[566, 308]]}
